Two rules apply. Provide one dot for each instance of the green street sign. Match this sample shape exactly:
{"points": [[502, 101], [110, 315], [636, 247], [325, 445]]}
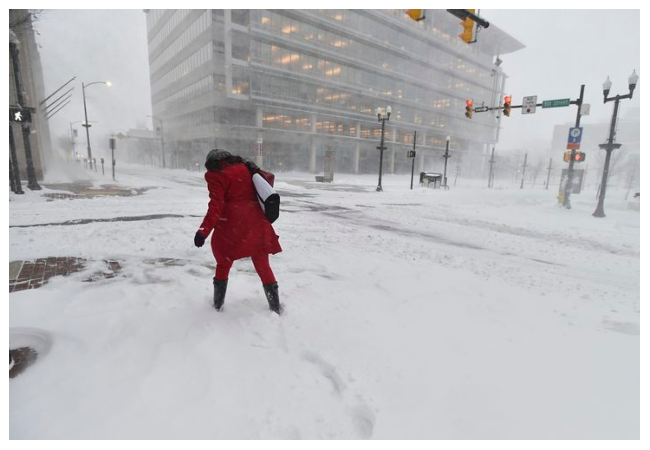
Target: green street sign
{"points": [[556, 103]]}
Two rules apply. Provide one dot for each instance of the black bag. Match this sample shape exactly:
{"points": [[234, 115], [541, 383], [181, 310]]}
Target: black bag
{"points": [[266, 195]]}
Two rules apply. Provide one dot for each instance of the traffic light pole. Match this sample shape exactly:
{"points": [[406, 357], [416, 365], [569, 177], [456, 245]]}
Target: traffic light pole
{"points": [[523, 171], [569, 176], [13, 164], [32, 183]]}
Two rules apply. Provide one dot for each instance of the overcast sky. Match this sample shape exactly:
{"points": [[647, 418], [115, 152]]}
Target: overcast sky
{"points": [[97, 45], [564, 49]]}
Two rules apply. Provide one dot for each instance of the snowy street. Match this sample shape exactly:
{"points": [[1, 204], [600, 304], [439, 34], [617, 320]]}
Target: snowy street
{"points": [[470, 313]]}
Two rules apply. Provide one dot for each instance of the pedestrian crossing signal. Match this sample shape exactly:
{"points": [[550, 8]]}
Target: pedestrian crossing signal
{"points": [[469, 111], [579, 157], [567, 156], [507, 105]]}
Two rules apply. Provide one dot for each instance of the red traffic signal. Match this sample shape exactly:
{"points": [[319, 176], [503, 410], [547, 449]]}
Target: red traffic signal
{"points": [[469, 110], [507, 105]]}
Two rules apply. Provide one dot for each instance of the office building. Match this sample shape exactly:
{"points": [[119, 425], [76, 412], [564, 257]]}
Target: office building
{"points": [[285, 86]]}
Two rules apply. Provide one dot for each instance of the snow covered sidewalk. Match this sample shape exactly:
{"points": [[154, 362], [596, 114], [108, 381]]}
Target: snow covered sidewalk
{"points": [[460, 314]]}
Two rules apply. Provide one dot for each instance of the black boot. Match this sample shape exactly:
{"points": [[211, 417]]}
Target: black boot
{"points": [[271, 291], [219, 292]]}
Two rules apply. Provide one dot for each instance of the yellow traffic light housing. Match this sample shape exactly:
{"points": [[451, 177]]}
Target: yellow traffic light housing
{"points": [[469, 110], [507, 105], [567, 156], [416, 14], [468, 29]]}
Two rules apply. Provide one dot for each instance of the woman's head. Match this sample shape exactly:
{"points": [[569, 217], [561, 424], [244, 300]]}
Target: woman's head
{"points": [[217, 159]]}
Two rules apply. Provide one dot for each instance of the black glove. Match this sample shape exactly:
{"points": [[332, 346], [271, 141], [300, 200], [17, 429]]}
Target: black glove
{"points": [[199, 240]]}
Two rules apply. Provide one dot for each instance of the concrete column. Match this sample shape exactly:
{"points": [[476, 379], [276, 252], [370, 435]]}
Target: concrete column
{"points": [[312, 149], [259, 122], [421, 153], [391, 168], [357, 148], [312, 155], [355, 160]]}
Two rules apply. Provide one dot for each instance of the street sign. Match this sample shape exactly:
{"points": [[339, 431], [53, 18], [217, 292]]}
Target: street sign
{"points": [[576, 180], [575, 136], [556, 103], [584, 109], [529, 105], [410, 153]]}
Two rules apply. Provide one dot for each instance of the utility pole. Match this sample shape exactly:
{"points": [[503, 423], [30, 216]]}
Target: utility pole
{"points": [[569, 176], [523, 172], [32, 183], [548, 177], [491, 164]]}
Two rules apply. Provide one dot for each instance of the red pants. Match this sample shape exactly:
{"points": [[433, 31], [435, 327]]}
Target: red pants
{"points": [[261, 264]]}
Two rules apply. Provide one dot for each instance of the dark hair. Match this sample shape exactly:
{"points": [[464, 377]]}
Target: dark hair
{"points": [[217, 159]]}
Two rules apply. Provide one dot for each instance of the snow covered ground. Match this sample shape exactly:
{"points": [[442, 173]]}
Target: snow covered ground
{"points": [[424, 314]]}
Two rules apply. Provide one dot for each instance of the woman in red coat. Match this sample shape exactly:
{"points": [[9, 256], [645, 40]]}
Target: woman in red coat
{"points": [[238, 225]]}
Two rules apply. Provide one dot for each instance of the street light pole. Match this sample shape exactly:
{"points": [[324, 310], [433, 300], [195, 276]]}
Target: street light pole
{"points": [[610, 146], [383, 115], [86, 124], [446, 156]]}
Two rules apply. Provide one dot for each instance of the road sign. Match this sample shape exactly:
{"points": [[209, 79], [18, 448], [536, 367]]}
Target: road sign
{"points": [[584, 109], [556, 103], [576, 180], [575, 136], [529, 105], [410, 153]]}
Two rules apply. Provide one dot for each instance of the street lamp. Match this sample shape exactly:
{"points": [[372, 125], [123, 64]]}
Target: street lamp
{"points": [[162, 139], [446, 156], [609, 146], [86, 124], [383, 115]]}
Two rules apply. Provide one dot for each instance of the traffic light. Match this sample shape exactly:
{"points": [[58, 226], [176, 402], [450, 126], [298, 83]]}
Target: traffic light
{"points": [[579, 156], [468, 29], [17, 114], [469, 111], [507, 105], [567, 156], [416, 14]]}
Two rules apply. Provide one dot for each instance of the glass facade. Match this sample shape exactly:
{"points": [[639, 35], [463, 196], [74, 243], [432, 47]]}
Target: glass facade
{"points": [[307, 81]]}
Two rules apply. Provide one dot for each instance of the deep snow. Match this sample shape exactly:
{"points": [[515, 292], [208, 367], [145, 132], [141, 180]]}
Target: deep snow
{"points": [[461, 314]]}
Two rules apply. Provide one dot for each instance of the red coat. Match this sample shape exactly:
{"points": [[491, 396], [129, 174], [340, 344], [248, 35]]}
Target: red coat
{"points": [[240, 228]]}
